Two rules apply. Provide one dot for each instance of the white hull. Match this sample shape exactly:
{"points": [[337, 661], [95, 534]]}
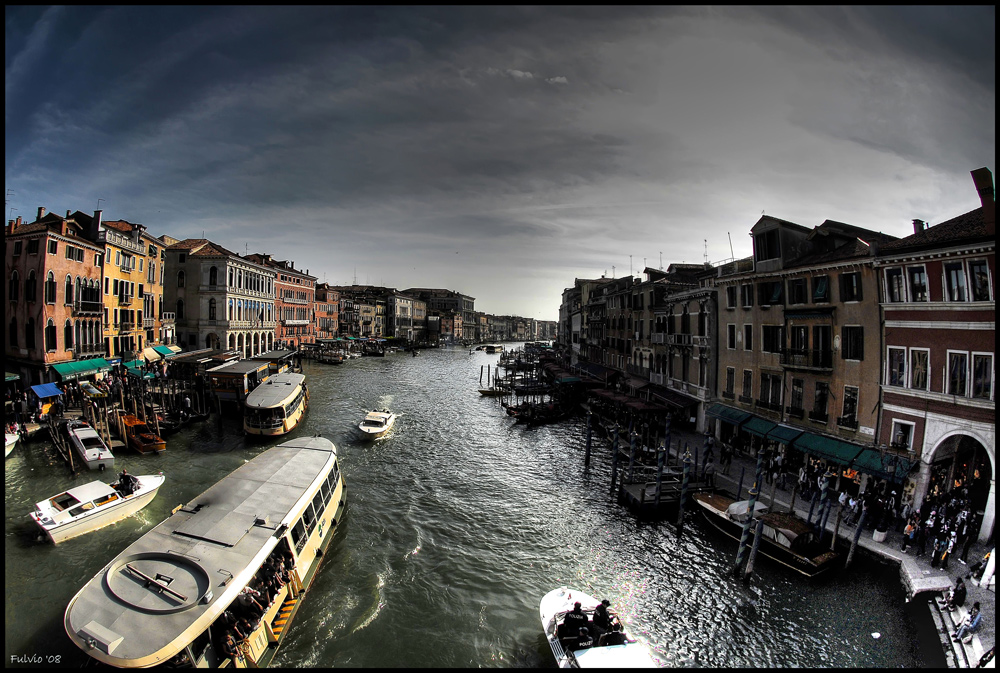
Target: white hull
{"points": [[553, 607], [10, 441], [104, 516], [90, 448], [372, 432]]}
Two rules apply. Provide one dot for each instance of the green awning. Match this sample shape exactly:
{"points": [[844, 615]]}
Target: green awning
{"points": [[758, 426], [728, 414], [840, 452], [889, 466], [77, 368], [784, 434], [165, 351], [12, 377]]}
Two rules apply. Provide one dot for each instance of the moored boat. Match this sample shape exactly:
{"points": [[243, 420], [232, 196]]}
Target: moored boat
{"points": [[786, 538], [86, 508], [163, 600], [609, 648], [276, 406], [377, 424], [10, 440], [88, 445], [140, 437]]}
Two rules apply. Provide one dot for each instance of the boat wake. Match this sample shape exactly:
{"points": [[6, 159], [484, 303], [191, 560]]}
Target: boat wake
{"points": [[376, 608]]}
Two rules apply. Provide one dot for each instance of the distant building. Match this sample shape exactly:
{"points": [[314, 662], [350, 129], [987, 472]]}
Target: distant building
{"points": [[294, 301]]}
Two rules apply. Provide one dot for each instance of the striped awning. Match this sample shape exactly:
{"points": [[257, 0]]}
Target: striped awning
{"points": [[151, 354]]}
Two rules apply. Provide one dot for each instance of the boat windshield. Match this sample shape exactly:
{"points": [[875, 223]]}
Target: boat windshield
{"points": [[374, 422]]}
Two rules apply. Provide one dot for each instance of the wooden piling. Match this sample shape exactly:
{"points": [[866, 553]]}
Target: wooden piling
{"points": [[586, 456], [836, 526], [614, 461], [660, 459], [758, 534], [854, 540], [742, 550], [631, 457], [684, 487]]}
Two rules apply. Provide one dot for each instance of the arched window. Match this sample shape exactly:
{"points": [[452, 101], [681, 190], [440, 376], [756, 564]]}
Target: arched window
{"points": [[180, 279], [230, 313], [50, 288], [12, 286], [213, 276], [180, 308], [12, 336], [69, 289], [29, 333], [211, 305], [30, 287], [230, 277], [68, 334]]}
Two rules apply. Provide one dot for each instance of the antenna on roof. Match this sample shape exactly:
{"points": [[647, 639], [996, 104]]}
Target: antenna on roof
{"points": [[731, 253], [706, 249]]}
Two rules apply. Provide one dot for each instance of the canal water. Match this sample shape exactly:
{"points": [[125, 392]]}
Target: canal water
{"points": [[457, 523]]}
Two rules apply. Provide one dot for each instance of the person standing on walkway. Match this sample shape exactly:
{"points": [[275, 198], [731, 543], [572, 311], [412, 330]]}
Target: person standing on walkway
{"points": [[908, 534], [727, 458]]}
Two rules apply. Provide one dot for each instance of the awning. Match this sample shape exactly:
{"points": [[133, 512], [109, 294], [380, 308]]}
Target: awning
{"points": [[728, 414], [77, 368], [840, 452], [150, 354], [11, 376], [44, 390], [756, 425], [167, 351], [889, 466], [174, 348], [784, 434], [673, 397]]}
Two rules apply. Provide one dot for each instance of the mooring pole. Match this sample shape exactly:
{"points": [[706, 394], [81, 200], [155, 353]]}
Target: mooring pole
{"points": [[614, 460], [586, 456], [795, 492], [812, 505], [836, 527], [631, 456], [854, 541], [758, 534], [684, 489], [659, 473], [742, 551]]}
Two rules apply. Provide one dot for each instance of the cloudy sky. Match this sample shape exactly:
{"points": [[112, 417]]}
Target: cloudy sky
{"points": [[499, 151]]}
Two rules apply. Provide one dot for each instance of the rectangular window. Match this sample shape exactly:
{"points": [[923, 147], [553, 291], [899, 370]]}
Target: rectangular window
{"points": [[731, 336], [770, 391], [731, 296], [746, 295], [852, 342], [954, 275], [821, 401], [748, 337], [958, 365], [918, 283], [850, 287], [766, 245], [798, 387], [33, 246], [797, 291], [747, 394], [902, 435], [17, 248], [53, 247], [850, 417], [799, 335], [979, 277], [982, 376], [896, 363], [895, 290], [730, 380], [771, 340], [118, 258], [69, 252], [821, 289], [918, 369]]}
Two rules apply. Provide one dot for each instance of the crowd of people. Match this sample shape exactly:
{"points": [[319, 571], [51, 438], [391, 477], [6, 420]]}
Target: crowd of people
{"points": [[579, 632], [243, 616]]}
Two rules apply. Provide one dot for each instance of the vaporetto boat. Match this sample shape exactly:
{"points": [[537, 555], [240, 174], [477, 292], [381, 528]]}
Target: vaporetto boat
{"points": [[613, 649], [163, 599], [276, 406], [88, 507]]}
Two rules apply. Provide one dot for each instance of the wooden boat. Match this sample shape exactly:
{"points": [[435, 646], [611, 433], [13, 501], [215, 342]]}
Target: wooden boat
{"points": [[494, 391], [88, 445], [612, 650], [10, 440], [140, 437], [377, 424], [86, 508], [161, 601], [786, 539], [276, 406]]}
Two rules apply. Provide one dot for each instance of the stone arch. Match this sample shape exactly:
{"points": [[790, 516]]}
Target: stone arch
{"points": [[962, 457]]}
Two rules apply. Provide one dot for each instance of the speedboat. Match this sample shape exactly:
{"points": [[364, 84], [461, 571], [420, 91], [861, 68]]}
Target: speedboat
{"points": [[88, 445], [612, 649], [140, 437], [377, 424], [86, 508], [10, 439], [786, 538]]}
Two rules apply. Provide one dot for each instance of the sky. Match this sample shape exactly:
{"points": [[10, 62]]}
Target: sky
{"points": [[500, 152]]}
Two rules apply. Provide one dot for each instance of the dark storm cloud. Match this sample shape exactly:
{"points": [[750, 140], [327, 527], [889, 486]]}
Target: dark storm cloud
{"points": [[461, 145]]}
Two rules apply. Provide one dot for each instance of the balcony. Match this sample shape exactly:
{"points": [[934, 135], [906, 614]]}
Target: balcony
{"points": [[678, 339], [728, 394], [148, 323], [658, 338], [762, 404], [658, 378], [637, 370], [82, 308], [807, 358], [293, 300], [850, 422], [296, 322], [124, 300], [700, 341], [819, 416], [166, 317]]}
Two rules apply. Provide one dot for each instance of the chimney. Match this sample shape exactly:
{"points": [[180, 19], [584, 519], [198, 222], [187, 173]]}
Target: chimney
{"points": [[918, 226], [95, 226], [41, 213], [984, 185]]}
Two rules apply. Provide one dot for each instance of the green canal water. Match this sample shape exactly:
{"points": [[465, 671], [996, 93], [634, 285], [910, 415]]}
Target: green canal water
{"points": [[458, 522]]}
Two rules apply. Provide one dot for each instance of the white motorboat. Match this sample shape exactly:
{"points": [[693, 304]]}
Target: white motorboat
{"points": [[377, 424], [612, 649], [10, 439], [86, 508], [88, 445]]}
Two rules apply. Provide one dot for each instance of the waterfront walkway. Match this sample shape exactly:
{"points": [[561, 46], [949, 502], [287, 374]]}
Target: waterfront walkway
{"points": [[916, 573]]}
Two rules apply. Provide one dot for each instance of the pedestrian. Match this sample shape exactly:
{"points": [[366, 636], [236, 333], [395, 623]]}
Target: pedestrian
{"points": [[908, 535], [921, 538], [727, 458], [970, 625], [710, 473], [970, 536], [957, 595]]}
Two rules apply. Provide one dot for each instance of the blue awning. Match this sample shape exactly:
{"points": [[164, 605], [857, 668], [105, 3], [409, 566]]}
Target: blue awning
{"points": [[44, 390]]}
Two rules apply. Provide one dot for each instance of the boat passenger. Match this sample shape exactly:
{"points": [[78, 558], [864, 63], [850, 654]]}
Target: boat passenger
{"points": [[229, 647], [585, 640], [575, 618], [602, 618]]}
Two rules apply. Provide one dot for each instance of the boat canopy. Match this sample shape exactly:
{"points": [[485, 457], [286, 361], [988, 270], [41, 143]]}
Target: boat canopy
{"points": [[92, 491], [44, 390], [738, 510]]}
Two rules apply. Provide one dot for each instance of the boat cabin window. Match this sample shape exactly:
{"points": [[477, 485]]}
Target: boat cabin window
{"points": [[105, 501], [319, 501], [332, 478], [64, 501], [299, 536], [309, 517], [326, 491], [802, 541], [85, 507]]}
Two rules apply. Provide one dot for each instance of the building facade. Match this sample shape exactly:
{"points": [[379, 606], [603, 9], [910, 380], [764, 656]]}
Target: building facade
{"points": [[294, 301]]}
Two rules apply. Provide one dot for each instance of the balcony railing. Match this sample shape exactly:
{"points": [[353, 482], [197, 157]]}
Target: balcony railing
{"points": [[678, 339], [124, 300], [148, 323], [812, 358], [296, 322], [87, 307], [848, 422], [637, 370], [168, 317], [763, 404], [658, 379], [728, 394], [658, 338], [819, 416]]}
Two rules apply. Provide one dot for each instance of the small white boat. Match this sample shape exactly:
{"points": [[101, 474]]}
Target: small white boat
{"points": [[86, 508], [88, 445], [10, 440], [611, 650], [377, 424]]}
